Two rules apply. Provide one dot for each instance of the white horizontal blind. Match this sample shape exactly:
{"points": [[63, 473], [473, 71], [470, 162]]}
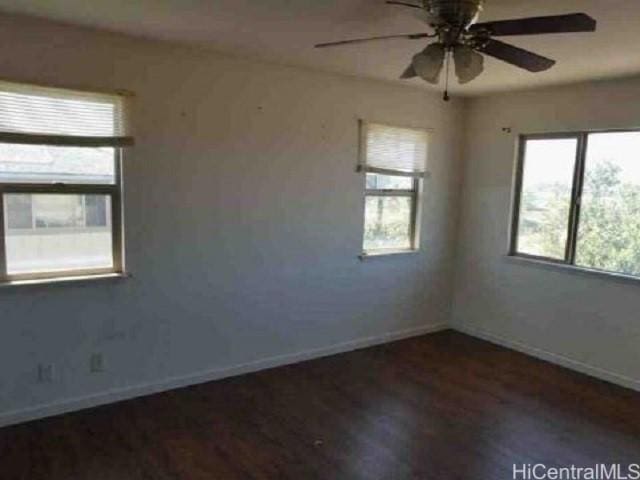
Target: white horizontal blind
{"points": [[388, 149], [34, 114]]}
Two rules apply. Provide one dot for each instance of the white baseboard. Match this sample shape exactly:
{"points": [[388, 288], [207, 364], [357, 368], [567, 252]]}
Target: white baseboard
{"points": [[126, 393], [561, 360]]}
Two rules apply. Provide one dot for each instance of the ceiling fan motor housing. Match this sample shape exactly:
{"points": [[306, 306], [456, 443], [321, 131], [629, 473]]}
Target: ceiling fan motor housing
{"points": [[453, 13]]}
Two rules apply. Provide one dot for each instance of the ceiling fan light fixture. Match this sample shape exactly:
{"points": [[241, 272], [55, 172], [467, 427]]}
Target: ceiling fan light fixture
{"points": [[428, 63], [469, 63]]}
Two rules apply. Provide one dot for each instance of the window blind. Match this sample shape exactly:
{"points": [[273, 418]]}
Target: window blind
{"points": [[394, 150], [43, 115]]}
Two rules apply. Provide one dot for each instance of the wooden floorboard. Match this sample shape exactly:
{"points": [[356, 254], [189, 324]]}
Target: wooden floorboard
{"points": [[443, 406]]}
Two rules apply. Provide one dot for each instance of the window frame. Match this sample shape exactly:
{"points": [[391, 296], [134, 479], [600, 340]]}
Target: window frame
{"points": [[573, 222], [416, 193], [114, 191], [413, 194]]}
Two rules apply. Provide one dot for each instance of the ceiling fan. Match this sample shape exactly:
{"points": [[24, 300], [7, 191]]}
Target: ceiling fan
{"points": [[461, 38]]}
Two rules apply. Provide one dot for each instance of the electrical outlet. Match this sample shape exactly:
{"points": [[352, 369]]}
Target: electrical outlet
{"points": [[46, 373], [96, 363]]}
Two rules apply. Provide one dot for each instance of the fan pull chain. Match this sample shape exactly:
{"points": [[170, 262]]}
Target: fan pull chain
{"points": [[446, 81]]}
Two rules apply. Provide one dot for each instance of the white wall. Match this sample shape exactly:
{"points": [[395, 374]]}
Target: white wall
{"points": [[243, 223], [585, 322]]}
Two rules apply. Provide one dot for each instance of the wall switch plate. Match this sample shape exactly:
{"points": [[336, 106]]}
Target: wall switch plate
{"points": [[96, 363], [46, 373]]}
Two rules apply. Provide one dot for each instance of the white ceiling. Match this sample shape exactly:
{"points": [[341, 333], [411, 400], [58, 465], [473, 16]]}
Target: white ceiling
{"points": [[285, 31]]}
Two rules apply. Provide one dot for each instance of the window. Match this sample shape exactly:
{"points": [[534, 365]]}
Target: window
{"points": [[60, 185], [393, 160], [578, 200]]}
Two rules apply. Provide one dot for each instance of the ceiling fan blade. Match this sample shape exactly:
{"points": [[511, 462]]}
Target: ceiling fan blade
{"points": [[428, 63], [575, 22], [412, 36], [516, 56], [469, 63], [404, 4], [410, 72]]}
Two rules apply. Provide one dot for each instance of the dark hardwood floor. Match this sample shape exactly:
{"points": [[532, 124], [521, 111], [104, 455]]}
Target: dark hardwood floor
{"points": [[444, 406]]}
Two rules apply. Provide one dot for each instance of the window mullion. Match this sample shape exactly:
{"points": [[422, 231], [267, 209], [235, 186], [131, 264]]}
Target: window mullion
{"points": [[576, 196]]}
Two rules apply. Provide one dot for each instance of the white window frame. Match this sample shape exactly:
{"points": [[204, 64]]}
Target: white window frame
{"points": [[568, 262], [415, 194], [22, 134]]}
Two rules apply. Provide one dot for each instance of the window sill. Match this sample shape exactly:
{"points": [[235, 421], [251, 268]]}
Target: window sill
{"points": [[376, 254], [572, 269], [66, 279]]}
